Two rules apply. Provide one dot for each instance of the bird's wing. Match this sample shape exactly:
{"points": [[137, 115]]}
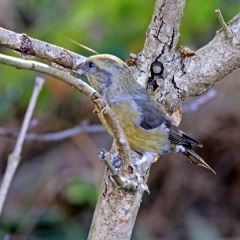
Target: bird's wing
{"points": [[179, 138], [153, 117]]}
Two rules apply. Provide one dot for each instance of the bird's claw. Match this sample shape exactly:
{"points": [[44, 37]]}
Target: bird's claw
{"points": [[116, 161]]}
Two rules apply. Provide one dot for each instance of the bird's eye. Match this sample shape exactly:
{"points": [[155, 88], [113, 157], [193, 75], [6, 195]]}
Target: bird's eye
{"points": [[91, 65]]}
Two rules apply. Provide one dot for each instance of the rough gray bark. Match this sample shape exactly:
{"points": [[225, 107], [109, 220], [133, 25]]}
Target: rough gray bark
{"points": [[27, 46], [161, 37], [180, 78], [117, 209], [192, 76]]}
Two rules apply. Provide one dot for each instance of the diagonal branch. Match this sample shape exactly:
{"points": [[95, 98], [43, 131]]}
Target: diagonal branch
{"points": [[27, 46], [15, 157], [192, 76], [212, 62]]}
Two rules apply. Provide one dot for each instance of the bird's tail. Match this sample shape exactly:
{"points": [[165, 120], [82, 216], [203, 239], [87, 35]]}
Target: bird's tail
{"points": [[197, 160]]}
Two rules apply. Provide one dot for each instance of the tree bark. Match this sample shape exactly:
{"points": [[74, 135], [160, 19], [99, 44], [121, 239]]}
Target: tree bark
{"points": [[116, 211]]}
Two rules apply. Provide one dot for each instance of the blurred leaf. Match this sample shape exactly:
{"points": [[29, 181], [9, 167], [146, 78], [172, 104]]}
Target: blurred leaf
{"points": [[80, 192]]}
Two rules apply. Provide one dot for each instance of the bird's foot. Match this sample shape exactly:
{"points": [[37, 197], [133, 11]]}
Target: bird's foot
{"points": [[146, 157], [116, 161]]}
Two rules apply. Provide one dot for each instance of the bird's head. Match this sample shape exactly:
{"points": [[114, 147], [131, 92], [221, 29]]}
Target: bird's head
{"points": [[106, 73]]}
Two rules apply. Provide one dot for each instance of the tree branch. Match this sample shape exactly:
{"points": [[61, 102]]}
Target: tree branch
{"points": [[195, 75], [161, 37], [57, 136], [15, 157], [27, 46], [225, 28], [105, 114], [117, 209]]}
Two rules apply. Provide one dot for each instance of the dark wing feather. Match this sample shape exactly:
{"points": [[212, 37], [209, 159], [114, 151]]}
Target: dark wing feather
{"points": [[179, 138], [192, 141], [152, 117]]}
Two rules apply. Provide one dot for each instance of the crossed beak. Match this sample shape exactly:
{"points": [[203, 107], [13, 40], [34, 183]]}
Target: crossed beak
{"points": [[80, 69]]}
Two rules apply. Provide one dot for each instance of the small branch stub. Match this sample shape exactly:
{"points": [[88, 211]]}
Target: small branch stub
{"points": [[185, 52], [226, 30]]}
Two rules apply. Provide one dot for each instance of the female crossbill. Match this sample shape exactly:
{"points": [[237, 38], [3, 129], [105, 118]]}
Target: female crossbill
{"points": [[147, 127]]}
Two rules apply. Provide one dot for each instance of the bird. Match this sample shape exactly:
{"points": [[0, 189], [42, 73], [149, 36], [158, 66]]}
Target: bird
{"points": [[147, 126]]}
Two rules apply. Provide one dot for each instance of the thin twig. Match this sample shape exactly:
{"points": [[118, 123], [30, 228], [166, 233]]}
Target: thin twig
{"points": [[226, 30], [44, 68], [15, 157], [57, 136]]}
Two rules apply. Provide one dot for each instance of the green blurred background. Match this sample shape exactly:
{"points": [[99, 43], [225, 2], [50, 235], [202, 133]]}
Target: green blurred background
{"points": [[57, 184]]}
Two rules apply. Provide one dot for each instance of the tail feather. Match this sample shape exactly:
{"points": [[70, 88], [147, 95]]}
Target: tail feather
{"points": [[195, 159]]}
